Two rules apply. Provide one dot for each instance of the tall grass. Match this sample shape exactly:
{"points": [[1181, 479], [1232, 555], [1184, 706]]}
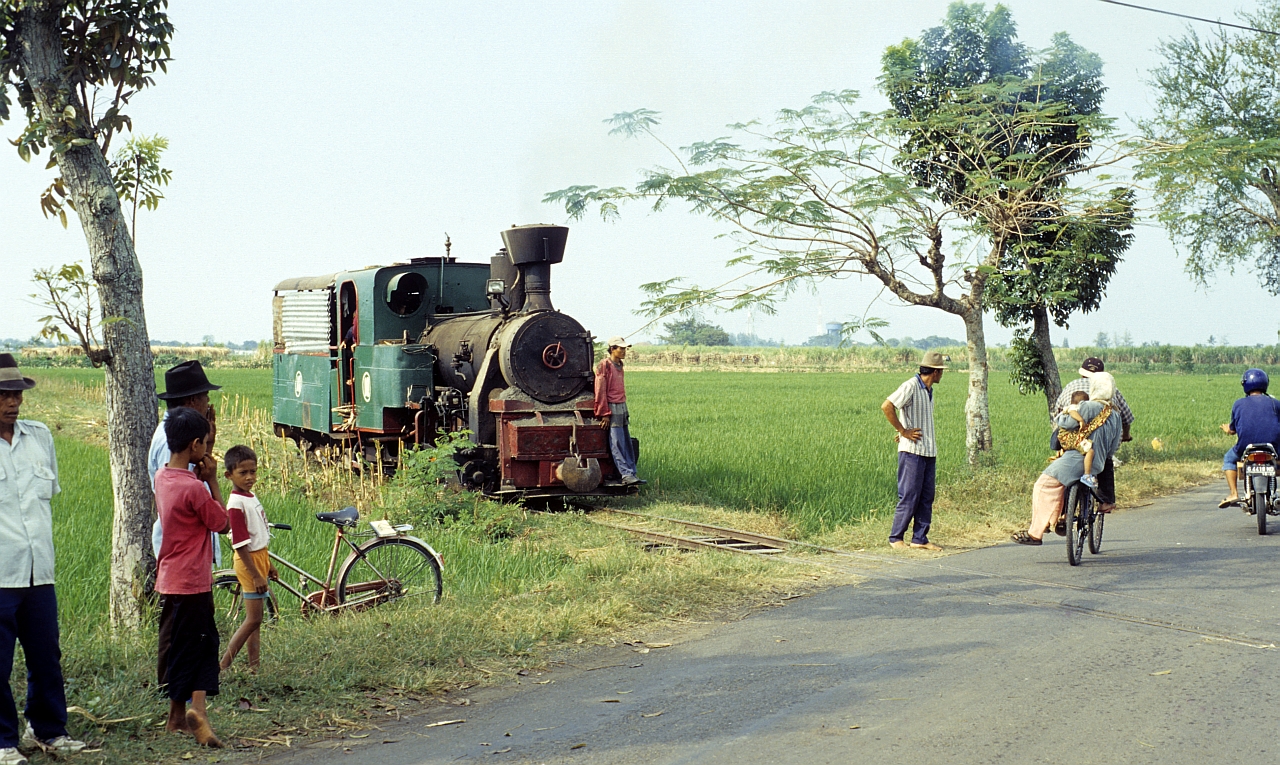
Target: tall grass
{"points": [[514, 589]]}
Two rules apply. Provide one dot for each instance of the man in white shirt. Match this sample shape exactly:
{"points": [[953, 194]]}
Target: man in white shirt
{"points": [[917, 453], [28, 604], [184, 385]]}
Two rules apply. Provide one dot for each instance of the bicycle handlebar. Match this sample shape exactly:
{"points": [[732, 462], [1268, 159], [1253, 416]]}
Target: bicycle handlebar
{"points": [[281, 526]]}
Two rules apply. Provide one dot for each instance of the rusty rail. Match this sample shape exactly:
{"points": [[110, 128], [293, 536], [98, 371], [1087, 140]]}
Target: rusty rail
{"points": [[720, 538]]}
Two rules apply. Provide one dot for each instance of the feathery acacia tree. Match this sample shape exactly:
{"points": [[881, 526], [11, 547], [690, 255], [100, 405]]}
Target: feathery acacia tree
{"points": [[1214, 158], [820, 195], [74, 65]]}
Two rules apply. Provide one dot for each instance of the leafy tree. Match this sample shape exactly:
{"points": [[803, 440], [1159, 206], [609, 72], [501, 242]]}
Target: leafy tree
{"points": [[1056, 260], [1102, 341], [828, 191], [68, 292], [693, 331], [1215, 147], [74, 65]]}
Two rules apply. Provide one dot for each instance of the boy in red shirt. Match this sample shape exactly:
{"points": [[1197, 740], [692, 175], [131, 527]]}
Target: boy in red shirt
{"points": [[249, 537], [188, 668]]}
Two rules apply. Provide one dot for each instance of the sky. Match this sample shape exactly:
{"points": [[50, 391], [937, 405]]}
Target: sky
{"points": [[309, 137]]}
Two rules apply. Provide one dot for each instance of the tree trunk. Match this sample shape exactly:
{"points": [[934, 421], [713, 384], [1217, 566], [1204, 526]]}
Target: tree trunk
{"points": [[977, 412], [1048, 362], [130, 379]]}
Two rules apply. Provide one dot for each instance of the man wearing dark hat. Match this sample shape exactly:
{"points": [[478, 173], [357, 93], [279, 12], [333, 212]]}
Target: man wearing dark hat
{"points": [[184, 385], [909, 410], [1107, 478], [28, 605]]}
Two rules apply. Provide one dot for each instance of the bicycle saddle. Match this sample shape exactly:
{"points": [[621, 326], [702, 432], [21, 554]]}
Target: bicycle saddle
{"points": [[347, 516]]}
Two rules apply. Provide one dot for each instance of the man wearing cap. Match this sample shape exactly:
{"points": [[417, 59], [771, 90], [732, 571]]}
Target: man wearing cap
{"points": [[1107, 478], [611, 408], [910, 411], [184, 385], [28, 604]]}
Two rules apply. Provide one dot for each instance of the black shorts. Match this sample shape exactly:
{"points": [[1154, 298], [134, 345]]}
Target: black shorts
{"points": [[188, 650]]}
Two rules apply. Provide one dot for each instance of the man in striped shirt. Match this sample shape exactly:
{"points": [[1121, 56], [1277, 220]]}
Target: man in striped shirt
{"points": [[910, 411], [1107, 478]]}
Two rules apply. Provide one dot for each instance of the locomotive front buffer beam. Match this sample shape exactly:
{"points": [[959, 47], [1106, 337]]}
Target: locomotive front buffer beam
{"points": [[548, 451]]}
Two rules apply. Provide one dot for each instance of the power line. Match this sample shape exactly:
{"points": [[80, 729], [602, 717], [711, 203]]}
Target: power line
{"points": [[1193, 18]]}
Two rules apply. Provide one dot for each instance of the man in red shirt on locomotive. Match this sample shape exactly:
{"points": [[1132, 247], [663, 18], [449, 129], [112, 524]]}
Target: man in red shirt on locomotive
{"points": [[611, 408]]}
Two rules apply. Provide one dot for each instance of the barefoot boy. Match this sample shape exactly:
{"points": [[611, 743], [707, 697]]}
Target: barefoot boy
{"points": [[249, 537], [188, 668]]}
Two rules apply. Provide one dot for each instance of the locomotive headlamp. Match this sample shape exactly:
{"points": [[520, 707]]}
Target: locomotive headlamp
{"points": [[495, 287]]}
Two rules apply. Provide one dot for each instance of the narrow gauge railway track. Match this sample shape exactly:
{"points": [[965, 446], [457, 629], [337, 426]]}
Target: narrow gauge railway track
{"points": [[868, 566]]}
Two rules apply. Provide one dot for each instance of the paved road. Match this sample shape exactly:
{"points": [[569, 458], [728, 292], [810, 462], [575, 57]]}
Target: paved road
{"points": [[1149, 652]]}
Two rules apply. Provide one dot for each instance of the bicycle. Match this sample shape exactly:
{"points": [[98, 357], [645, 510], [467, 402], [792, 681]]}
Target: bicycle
{"points": [[1083, 522], [390, 566]]}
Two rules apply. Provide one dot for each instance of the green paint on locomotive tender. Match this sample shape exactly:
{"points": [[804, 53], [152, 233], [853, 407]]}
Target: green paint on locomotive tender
{"points": [[388, 372], [303, 391]]}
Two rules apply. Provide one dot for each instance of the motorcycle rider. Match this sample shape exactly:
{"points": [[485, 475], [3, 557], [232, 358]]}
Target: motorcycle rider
{"points": [[1255, 419]]}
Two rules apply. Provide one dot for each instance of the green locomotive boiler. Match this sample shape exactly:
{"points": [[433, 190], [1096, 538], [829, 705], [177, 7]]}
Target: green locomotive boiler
{"points": [[388, 357]]}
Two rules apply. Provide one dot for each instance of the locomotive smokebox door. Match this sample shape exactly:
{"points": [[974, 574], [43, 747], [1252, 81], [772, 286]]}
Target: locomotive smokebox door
{"points": [[547, 355]]}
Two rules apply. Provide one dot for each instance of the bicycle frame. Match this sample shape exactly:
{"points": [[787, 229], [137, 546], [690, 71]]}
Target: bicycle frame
{"points": [[327, 597]]}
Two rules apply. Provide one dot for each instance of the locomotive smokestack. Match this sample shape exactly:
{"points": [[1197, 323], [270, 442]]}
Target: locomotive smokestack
{"points": [[532, 250]]}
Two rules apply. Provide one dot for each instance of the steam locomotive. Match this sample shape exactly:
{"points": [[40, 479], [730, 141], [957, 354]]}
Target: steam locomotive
{"points": [[390, 357]]}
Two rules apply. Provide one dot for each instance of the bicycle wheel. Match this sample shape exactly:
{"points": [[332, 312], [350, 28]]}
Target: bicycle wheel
{"points": [[387, 569], [228, 606], [1095, 531], [1077, 523], [1260, 502]]}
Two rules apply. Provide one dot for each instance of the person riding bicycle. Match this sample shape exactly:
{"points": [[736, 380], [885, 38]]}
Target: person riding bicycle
{"points": [[1105, 428], [1255, 419]]}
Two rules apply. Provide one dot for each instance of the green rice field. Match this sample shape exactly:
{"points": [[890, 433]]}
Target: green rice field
{"points": [[816, 446], [813, 447]]}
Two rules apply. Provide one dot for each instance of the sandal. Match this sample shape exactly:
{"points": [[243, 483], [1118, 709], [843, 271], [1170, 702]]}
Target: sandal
{"points": [[1023, 538], [1060, 528], [1228, 502]]}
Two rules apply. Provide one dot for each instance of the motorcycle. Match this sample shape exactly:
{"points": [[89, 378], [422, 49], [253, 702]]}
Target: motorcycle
{"points": [[1260, 498]]}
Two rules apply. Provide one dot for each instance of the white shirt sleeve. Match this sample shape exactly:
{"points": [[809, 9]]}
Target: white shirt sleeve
{"points": [[904, 394]]}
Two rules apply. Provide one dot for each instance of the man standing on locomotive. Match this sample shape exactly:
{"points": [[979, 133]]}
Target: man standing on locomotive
{"points": [[909, 410], [611, 408]]}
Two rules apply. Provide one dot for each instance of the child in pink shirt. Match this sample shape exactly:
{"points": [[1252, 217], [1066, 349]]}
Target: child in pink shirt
{"points": [[188, 646]]}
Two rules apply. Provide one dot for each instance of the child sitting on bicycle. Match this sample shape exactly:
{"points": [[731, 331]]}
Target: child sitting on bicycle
{"points": [[1077, 440], [249, 537]]}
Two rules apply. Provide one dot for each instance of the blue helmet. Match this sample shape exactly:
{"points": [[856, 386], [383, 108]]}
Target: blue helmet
{"points": [[1254, 379]]}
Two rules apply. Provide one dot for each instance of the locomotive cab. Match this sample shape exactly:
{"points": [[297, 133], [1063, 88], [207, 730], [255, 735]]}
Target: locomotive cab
{"points": [[347, 360]]}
